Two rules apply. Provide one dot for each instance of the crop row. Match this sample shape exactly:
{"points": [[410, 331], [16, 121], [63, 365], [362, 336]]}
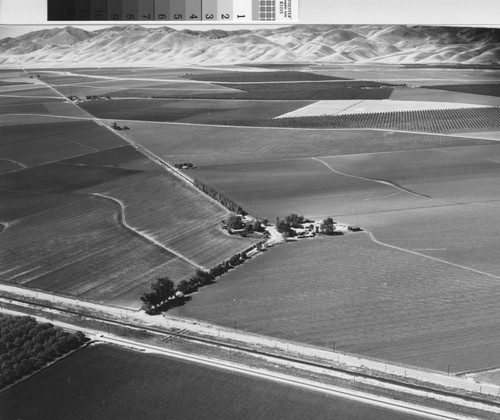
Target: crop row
{"points": [[433, 121]]}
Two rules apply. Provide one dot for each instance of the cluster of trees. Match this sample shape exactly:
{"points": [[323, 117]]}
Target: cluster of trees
{"points": [[290, 222], [159, 292], [96, 97], [185, 165], [226, 202], [26, 346], [115, 126], [235, 222], [163, 292], [328, 226]]}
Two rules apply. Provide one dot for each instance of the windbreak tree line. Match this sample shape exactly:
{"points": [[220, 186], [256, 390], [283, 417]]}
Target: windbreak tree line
{"points": [[163, 293], [226, 202], [27, 345]]}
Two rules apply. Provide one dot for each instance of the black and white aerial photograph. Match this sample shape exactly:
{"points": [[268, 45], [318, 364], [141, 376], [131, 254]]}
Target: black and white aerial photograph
{"points": [[275, 220]]}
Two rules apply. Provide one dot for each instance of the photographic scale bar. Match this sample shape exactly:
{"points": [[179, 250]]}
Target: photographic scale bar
{"points": [[173, 10]]}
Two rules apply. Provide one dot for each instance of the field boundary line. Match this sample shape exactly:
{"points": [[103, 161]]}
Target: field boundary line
{"points": [[122, 220], [463, 267], [378, 181]]}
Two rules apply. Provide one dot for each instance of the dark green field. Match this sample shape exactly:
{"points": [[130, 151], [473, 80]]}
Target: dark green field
{"points": [[104, 382]]}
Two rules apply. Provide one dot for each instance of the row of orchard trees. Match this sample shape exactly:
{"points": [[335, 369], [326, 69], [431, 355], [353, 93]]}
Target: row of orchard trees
{"points": [[27, 345]]}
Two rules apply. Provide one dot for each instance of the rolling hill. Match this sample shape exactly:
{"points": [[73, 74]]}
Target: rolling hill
{"points": [[118, 45]]}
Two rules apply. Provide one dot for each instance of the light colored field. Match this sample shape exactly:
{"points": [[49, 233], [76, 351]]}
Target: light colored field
{"points": [[80, 249], [370, 106]]}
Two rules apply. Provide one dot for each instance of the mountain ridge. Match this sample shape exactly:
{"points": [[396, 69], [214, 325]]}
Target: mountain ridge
{"points": [[135, 44]]}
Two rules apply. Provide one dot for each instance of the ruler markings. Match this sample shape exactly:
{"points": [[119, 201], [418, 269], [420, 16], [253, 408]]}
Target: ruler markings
{"points": [[193, 10], [145, 10], [115, 10], [162, 9], [173, 10]]}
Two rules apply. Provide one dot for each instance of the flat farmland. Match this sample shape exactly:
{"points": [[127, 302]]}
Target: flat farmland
{"points": [[205, 145], [104, 382], [314, 90], [30, 90], [58, 177], [6, 165], [176, 215], [258, 76], [475, 88], [138, 88], [39, 151], [198, 111], [437, 95], [418, 76], [303, 186], [86, 133], [472, 118], [462, 234], [455, 174], [79, 248], [365, 297]]}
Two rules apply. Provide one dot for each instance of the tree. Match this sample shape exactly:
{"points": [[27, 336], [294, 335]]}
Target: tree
{"points": [[164, 288], [328, 226], [234, 222], [294, 220]]}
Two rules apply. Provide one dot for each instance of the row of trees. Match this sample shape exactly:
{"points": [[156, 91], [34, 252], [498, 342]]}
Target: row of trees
{"points": [[225, 201], [27, 345], [163, 293]]}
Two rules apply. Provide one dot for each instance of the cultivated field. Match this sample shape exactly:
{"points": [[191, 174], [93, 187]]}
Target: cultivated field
{"points": [[120, 383], [424, 121], [205, 145], [79, 249], [303, 186], [422, 290], [477, 89], [197, 111], [364, 297]]}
